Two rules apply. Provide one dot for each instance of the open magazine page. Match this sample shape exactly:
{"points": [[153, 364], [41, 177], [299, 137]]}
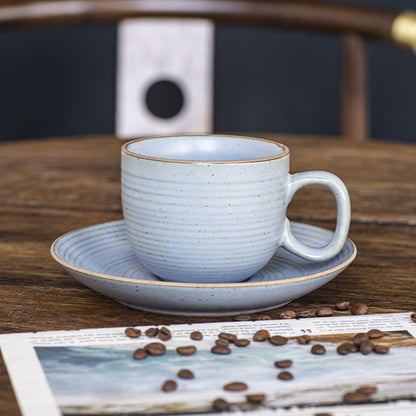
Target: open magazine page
{"points": [[105, 372]]}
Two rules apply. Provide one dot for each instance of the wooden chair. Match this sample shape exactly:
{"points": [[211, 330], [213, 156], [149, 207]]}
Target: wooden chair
{"points": [[353, 23]]}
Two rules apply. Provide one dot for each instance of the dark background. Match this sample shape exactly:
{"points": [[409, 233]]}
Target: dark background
{"points": [[61, 81]]}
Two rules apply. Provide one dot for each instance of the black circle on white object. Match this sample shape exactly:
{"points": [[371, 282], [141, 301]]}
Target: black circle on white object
{"points": [[164, 99]]}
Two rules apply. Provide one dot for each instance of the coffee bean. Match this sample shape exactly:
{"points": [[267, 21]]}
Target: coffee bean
{"points": [[221, 405], [169, 385], [413, 316], [325, 311], [222, 342], [343, 349], [283, 363], [196, 335], [261, 335], [285, 376], [151, 332], [346, 347], [164, 334], [358, 339], [308, 313], [367, 390], [278, 340], [236, 386], [140, 354], [318, 349], [185, 373], [241, 342], [366, 347], [155, 348], [186, 350], [255, 398], [381, 349], [242, 318], [352, 347], [322, 414], [342, 305], [375, 333], [303, 339], [132, 332], [354, 398], [359, 309], [227, 336], [287, 315], [222, 350], [263, 318]]}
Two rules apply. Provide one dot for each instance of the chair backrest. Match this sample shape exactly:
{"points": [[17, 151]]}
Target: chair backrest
{"points": [[353, 23]]}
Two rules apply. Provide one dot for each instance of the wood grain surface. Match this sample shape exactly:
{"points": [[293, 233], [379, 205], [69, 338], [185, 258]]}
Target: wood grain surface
{"points": [[50, 187]]}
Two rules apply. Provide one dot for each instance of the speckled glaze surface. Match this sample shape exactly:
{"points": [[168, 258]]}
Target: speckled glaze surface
{"points": [[101, 257], [213, 208]]}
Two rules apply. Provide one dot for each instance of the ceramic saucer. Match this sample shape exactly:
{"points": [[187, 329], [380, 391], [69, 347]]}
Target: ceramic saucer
{"points": [[101, 258]]}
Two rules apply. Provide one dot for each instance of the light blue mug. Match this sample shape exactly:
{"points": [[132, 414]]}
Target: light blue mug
{"points": [[212, 208]]}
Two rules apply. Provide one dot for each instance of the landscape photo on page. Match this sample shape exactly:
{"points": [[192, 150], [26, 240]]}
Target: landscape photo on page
{"points": [[332, 365]]}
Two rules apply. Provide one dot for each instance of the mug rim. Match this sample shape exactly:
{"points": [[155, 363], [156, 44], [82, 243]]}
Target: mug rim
{"points": [[285, 152]]}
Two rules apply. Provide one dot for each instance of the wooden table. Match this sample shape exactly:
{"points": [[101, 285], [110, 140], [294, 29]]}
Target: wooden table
{"points": [[49, 187]]}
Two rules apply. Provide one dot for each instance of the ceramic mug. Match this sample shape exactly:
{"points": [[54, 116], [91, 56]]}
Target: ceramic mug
{"points": [[212, 208]]}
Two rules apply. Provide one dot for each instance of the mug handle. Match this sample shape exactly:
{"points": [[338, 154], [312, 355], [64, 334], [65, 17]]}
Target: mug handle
{"points": [[337, 187]]}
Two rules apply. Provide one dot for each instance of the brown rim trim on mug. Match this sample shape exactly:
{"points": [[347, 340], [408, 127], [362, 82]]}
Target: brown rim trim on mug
{"points": [[205, 162]]}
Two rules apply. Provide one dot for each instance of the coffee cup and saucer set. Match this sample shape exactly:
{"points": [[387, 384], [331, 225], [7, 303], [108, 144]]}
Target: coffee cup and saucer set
{"points": [[205, 231]]}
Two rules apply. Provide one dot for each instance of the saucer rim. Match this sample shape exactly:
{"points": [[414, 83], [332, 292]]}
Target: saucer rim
{"points": [[104, 276]]}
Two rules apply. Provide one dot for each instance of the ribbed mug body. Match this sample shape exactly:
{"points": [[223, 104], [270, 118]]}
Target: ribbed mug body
{"points": [[204, 222]]}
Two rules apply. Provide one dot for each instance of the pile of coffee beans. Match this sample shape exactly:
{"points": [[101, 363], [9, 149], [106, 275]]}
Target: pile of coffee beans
{"points": [[361, 342], [341, 306]]}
